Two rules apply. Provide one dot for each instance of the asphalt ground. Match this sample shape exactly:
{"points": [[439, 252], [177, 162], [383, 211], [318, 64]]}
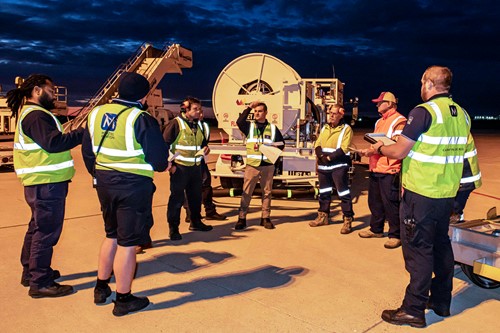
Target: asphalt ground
{"points": [[291, 279]]}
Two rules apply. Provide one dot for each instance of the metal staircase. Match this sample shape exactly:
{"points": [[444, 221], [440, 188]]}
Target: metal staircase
{"points": [[148, 61]]}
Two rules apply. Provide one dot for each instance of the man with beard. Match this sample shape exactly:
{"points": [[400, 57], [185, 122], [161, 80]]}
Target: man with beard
{"points": [[43, 162], [433, 146]]}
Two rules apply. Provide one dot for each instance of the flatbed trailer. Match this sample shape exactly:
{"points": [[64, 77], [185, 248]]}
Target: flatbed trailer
{"points": [[476, 247]]}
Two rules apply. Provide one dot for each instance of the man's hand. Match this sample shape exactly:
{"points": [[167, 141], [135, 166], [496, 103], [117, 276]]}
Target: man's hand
{"points": [[254, 104], [367, 152], [324, 159], [171, 168]]}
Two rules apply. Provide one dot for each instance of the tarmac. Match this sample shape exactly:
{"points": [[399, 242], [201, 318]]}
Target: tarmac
{"points": [[291, 279]]}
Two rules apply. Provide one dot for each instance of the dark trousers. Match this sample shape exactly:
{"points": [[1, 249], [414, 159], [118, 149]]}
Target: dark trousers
{"points": [[185, 179], [47, 203], [339, 178], [426, 250], [383, 200], [206, 192], [460, 201]]}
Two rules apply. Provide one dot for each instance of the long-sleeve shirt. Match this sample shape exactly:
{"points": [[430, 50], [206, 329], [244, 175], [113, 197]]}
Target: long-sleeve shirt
{"points": [[42, 128], [148, 135], [172, 130]]}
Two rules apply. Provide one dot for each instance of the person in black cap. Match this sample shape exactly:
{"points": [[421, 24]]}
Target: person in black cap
{"points": [[122, 147]]}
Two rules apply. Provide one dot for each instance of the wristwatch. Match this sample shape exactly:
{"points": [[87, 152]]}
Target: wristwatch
{"points": [[379, 150]]}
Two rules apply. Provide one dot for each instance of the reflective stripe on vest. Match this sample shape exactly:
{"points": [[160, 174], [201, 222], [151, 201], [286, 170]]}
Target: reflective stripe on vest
{"points": [[387, 125], [120, 150], [338, 145], [187, 144], [391, 132], [339, 141], [34, 165], [206, 130], [433, 167], [254, 156], [471, 175]]}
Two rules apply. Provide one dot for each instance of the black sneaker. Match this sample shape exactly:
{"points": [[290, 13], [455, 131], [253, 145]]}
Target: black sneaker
{"points": [[132, 304], [266, 223], [101, 294], [216, 216], [241, 224], [26, 281], [175, 235], [55, 290], [199, 226]]}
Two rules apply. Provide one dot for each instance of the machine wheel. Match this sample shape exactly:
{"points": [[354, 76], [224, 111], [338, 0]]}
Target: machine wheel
{"points": [[477, 279]]}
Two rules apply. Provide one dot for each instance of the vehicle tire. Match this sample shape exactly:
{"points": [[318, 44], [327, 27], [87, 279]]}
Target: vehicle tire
{"points": [[477, 279]]}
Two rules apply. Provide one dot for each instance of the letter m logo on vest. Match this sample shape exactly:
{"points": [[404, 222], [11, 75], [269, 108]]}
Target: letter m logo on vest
{"points": [[108, 122]]}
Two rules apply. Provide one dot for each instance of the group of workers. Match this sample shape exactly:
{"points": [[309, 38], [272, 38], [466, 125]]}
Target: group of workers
{"points": [[432, 157]]}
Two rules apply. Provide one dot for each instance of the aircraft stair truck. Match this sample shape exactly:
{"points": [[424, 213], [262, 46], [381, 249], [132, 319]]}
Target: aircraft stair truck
{"points": [[297, 106], [7, 128], [152, 63]]}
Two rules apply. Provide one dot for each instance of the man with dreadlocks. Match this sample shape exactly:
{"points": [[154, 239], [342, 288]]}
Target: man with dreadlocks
{"points": [[43, 162]]}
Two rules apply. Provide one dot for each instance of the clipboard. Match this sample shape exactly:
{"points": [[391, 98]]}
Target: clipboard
{"points": [[272, 153], [374, 137], [171, 156]]}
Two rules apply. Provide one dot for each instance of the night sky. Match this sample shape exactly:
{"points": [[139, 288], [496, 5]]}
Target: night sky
{"points": [[373, 45]]}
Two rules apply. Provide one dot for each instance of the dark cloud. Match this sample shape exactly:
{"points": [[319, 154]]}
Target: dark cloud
{"points": [[373, 45]]}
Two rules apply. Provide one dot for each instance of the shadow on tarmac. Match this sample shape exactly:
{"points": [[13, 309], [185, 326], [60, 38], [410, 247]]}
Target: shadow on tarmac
{"points": [[267, 277]]}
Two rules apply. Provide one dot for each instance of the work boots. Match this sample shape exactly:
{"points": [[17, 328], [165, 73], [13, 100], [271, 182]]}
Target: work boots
{"points": [[346, 228], [241, 224], [322, 219], [266, 223]]}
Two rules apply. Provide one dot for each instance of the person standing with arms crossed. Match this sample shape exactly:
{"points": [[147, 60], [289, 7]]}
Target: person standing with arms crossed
{"points": [[332, 153], [43, 163], [258, 166], [433, 145], [384, 186], [122, 147]]}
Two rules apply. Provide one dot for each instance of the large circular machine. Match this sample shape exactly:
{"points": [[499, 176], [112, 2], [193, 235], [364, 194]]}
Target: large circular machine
{"points": [[257, 76]]}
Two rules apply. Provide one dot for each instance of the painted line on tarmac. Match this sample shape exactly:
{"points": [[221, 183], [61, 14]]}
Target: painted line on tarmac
{"points": [[486, 195]]}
